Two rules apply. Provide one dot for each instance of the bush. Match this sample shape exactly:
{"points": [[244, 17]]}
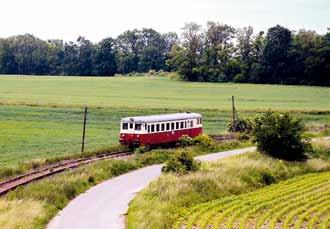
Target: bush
{"points": [[242, 125], [280, 136], [203, 140], [183, 162], [186, 141]]}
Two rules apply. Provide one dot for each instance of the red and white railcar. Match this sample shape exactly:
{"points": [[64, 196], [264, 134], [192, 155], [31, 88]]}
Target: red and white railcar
{"points": [[159, 129]]}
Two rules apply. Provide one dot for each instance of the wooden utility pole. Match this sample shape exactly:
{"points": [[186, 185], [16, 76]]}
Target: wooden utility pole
{"points": [[234, 110], [84, 130]]}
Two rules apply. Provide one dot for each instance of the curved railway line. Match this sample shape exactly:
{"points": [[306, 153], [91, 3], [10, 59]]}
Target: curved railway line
{"points": [[52, 169], [59, 167]]}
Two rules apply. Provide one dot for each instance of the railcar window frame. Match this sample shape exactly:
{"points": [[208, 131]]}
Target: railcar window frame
{"points": [[124, 126], [138, 126]]}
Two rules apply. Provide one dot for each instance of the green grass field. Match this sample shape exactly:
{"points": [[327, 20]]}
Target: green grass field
{"points": [[302, 202], [41, 117]]}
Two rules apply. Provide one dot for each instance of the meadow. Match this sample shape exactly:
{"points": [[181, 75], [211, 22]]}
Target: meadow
{"points": [[41, 117]]}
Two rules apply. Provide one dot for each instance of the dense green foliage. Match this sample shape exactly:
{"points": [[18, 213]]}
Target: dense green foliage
{"points": [[132, 51], [165, 201], [181, 163], [281, 136], [280, 57]]}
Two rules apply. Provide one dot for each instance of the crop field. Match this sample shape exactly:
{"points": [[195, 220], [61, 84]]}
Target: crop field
{"points": [[41, 117], [301, 202]]}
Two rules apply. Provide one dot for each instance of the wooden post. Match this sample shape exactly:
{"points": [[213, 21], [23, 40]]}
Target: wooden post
{"points": [[84, 130], [233, 108]]}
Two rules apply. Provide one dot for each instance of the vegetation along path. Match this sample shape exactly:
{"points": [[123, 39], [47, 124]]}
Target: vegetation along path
{"points": [[104, 205]]}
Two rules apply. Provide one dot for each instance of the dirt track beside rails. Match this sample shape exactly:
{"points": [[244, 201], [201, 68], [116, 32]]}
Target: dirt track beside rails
{"points": [[104, 206]]}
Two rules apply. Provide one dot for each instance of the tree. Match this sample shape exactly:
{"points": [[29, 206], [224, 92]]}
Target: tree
{"points": [[127, 50], [105, 59], [245, 49], [280, 136], [275, 55]]}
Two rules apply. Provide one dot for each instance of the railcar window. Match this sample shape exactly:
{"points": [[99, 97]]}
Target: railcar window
{"points": [[181, 126], [152, 128], [200, 121], [125, 126], [177, 125], [167, 126], [148, 128], [191, 123], [163, 126], [138, 126], [172, 126], [157, 127], [131, 125], [185, 124]]}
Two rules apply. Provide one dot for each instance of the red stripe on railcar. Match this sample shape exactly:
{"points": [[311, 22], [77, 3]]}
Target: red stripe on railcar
{"points": [[159, 137]]}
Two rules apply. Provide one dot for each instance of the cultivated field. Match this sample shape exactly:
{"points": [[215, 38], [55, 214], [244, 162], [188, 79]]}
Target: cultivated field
{"points": [[41, 117], [302, 202]]}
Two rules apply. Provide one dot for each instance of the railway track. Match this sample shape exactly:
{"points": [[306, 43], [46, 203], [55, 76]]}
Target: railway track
{"points": [[52, 169], [49, 170]]}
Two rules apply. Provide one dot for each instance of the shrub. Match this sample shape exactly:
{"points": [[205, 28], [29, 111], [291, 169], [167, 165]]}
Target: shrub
{"points": [[242, 125], [181, 163], [280, 136], [186, 141], [203, 140]]}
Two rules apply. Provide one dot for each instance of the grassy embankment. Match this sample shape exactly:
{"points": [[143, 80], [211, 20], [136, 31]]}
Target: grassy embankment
{"points": [[32, 206], [41, 117], [192, 199]]}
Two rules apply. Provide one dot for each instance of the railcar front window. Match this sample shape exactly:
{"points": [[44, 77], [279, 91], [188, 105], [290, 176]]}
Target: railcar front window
{"points": [[138, 126], [125, 126]]}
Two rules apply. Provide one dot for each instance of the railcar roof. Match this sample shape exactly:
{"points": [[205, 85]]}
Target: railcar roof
{"points": [[161, 118]]}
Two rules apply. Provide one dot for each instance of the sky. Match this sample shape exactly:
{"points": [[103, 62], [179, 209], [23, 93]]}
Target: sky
{"points": [[97, 19]]}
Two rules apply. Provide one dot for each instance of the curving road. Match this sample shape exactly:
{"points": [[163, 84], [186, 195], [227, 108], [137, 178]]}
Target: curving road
{"points": [[104, 206]]}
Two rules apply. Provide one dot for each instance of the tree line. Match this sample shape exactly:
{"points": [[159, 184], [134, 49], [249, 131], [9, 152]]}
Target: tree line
{"points": [[215, 53]]}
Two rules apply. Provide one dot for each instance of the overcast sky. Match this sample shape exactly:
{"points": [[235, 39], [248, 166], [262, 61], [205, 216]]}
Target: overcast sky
{"points": [[97, 19]]}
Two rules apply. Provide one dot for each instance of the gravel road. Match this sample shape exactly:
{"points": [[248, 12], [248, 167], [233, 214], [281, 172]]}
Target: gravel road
{"points": [[104, 205]]}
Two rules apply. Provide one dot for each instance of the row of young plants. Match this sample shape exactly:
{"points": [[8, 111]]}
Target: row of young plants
{"points": [[278, 205]]}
